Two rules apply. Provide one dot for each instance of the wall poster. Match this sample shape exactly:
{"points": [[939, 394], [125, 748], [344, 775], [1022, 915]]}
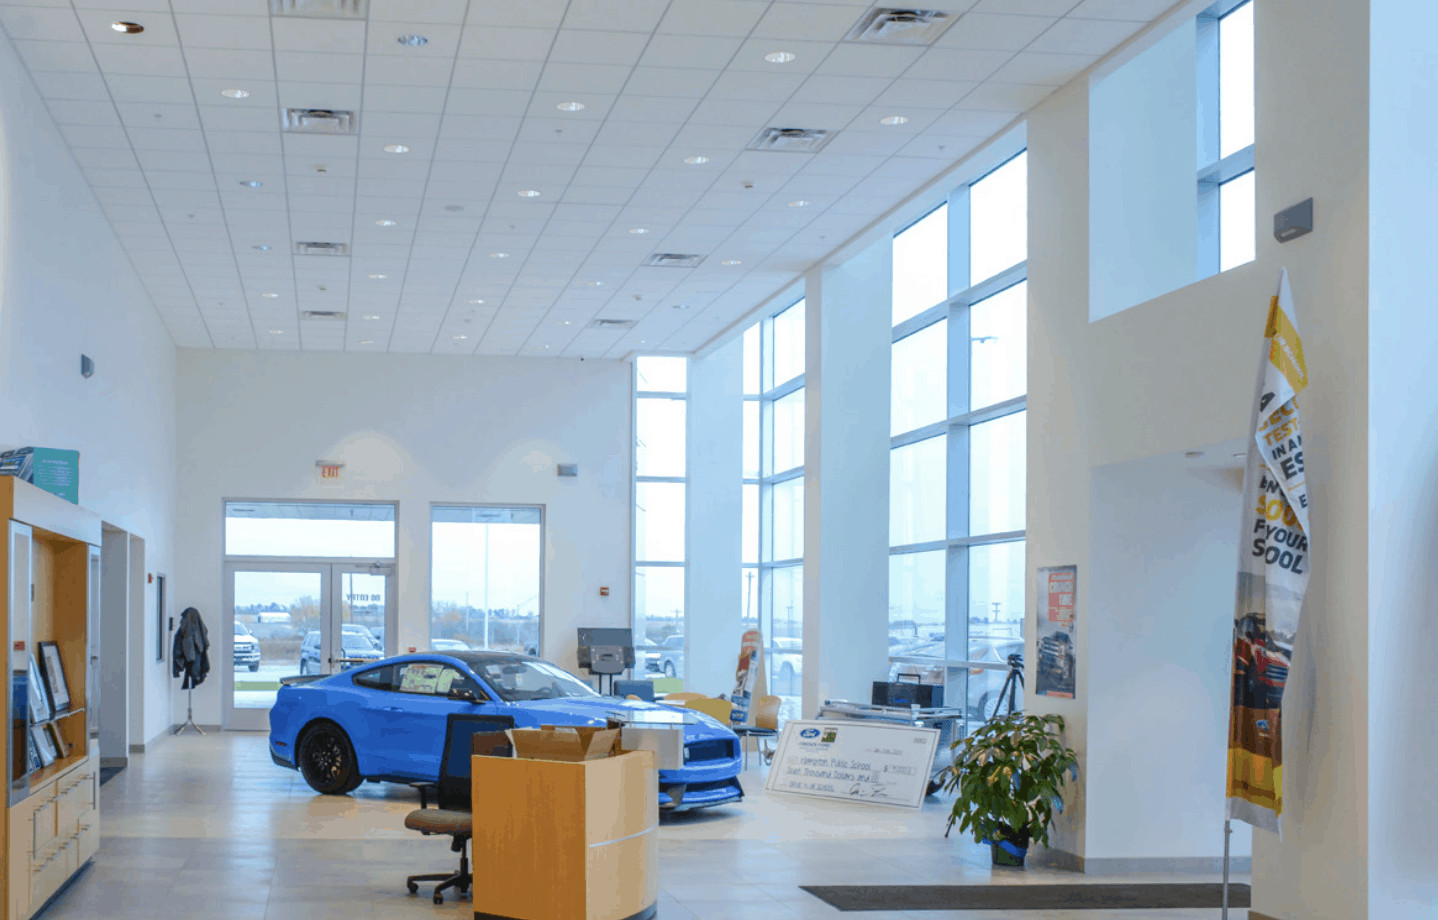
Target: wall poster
{"points": [[747, 676], [1054, 639]]}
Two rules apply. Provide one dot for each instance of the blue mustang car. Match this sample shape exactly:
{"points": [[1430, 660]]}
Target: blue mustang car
{"points": [[386, 721]]}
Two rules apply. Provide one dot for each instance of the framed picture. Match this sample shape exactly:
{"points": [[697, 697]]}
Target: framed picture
{"points": [[43, 745], [54, 676], [39, 699], [62, 750], [34, 754]]}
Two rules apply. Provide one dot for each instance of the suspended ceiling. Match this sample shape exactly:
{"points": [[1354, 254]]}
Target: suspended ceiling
{"points": [[210, 197]]}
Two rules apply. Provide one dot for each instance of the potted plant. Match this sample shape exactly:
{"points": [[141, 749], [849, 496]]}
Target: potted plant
{"points": [[1007, 778]]}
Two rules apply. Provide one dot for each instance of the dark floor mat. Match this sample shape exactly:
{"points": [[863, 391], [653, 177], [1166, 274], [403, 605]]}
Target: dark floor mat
{"points": [[1027, 897], [108, 773]]}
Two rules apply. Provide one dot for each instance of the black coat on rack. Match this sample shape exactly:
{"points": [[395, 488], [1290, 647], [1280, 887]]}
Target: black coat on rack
{"points": [[191, 653]]}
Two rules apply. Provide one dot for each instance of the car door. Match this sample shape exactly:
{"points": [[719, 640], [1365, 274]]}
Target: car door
{"points": [[412, 717]]}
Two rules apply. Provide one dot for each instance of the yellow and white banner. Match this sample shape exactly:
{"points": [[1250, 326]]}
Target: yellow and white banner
{"points": [[1273, 566]]}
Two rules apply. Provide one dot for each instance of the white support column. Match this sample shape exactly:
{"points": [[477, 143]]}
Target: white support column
{"points": [[713, 596], [846, 477]]}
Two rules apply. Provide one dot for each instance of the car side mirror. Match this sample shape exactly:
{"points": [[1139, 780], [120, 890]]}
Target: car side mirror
{"points": [[463, 695]]}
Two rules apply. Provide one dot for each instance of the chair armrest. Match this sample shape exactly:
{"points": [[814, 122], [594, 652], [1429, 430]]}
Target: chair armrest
{"points": [[424, 792]]}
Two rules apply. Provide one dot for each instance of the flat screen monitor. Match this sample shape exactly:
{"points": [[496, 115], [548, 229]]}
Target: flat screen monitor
{"points": [[598, 636]]}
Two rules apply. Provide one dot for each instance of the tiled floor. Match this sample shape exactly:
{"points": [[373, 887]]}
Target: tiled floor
{"points": [[209, 828]]}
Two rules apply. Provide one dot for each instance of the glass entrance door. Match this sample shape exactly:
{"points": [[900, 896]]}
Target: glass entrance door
{"points": [[296, 619]]}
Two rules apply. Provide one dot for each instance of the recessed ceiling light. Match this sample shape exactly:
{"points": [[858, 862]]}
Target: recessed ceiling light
{"points": [[366, 341], [384, 222], [395, 148], [681, 306], [275, 331], [799, 203], [780, 57], [529, 193], [595, 283], [269, 295], [732, 262], [894, 120], [454, 207], [235, 93], [371, 316], [477, 300], [570, 106], [638, 231], [129, 28], [251, 183], [696, 161], [460, 337], [413, 41], [376, 276], [262, 247], [499, 255], [564, 322]]}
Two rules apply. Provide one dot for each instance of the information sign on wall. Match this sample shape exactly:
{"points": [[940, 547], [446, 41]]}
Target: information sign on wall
{"points": [[858, 761], [1056, 637]]}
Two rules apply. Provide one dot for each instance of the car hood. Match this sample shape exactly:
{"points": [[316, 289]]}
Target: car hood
{"points": [[589, 710]]}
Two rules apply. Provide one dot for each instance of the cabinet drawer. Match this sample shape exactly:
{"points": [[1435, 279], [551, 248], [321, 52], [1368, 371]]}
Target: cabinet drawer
{"points": [[89, 838], [72, 804], [47, 875], [43, 830]]}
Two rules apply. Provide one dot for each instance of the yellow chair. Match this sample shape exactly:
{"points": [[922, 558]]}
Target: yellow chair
{"points": [[766, 725], [682, 697], [719, 709]]}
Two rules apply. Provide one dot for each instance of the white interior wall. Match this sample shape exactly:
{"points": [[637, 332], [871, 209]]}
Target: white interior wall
{"points": [[67, 288], [1177, 372], [1164, 545], [1403, 479], [415, 429], [713, 606]]}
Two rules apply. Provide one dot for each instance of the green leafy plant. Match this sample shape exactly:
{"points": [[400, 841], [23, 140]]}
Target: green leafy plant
{"points": [[1007, 777]]}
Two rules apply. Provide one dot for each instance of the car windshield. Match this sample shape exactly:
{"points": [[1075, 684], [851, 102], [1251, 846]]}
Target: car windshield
{"points": [[240, 630], [522, 679], [354, 643]]}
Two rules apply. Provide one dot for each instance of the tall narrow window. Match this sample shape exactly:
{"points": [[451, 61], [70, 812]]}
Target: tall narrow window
{"points": [[957, 447], [661, 386], [1226, 188]]}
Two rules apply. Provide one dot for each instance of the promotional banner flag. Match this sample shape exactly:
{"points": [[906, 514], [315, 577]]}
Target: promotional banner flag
{"points": [[746, 676], [1273, 568]]}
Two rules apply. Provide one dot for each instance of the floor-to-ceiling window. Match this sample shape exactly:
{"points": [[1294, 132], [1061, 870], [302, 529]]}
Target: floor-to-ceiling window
{"points": [[773, 496], [486, 591], [957, 457], [660, 392]]}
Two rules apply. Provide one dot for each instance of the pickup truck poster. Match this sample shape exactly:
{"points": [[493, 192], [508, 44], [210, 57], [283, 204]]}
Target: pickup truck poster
{"points": [[1054, 673], [1273, 568]]}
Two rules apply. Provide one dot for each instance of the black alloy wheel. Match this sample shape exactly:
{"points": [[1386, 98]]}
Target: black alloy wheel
{"points": [[327, 760]]}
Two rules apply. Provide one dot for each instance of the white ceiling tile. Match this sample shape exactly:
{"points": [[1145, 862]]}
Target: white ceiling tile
{"points": [[670, 81], [652, 108], [114, 178], [442, 11], [869, 61], [1026, 7], [808, 56], [815, 115], [906, 93], [329, 36], [946, 147], [302, 67], [994, 31], [190, 141], [811, 21], [1132, 10], [618, 15], [381, 98], [136, 59], [233, 32], [70, 57], [84, 112], [441, 41], [487, 102], [506, 44], [398, 71], [970, 123], [42, 23], [496, 74], [159, 29], [705, 17], [95, 136], [82, 86], [578, 46], [224, 63], [220, 118], [1085, 36], [1005, 97], [174, 178], [734, 112], [689, 51], [244, 142], [945, 64], [1043, 69]]}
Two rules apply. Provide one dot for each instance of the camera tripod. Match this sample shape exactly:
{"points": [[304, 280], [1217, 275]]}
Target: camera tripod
{"points": [[1008, 693]]}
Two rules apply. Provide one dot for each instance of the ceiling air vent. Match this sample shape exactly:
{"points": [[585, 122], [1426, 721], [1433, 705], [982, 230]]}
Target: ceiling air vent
{"points": [[790, 140], [319, 121], [321, 9], [674, 259], [309, 248], [611, 324], [322, 314], [900, 26]]}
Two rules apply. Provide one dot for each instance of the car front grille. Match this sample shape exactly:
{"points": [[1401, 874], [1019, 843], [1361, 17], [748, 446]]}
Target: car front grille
{"points": [[717, 749]]}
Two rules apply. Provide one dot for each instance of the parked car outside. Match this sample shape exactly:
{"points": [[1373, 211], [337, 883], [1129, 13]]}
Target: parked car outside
{"points": [[787, 666], [353, 644], [386, 721], [670, 660], [448, 645], [247, 648]]}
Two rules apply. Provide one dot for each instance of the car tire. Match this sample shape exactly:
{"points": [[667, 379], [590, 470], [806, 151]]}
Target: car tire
{"points": [[254, 667], [327, 760], [669, 669]]}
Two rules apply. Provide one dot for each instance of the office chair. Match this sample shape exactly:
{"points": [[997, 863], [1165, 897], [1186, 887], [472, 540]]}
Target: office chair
{"points": [[682, 697], [766, 725], [452, 795], [719, 709]]}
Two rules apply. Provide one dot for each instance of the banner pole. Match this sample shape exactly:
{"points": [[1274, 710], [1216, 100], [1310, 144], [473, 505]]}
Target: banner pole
{"points": [[1227, 832]]}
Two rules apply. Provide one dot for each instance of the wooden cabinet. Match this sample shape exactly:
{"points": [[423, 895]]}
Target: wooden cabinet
{"points": [[51, 825]]}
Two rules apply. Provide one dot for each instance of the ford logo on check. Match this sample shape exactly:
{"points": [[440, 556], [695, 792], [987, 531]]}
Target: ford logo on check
{"points": [[809, 733]]}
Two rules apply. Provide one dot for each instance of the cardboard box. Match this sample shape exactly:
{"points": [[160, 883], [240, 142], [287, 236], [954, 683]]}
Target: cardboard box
{"points": [[667, 743], [564, 743], [55, 471], [566, 841]]}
